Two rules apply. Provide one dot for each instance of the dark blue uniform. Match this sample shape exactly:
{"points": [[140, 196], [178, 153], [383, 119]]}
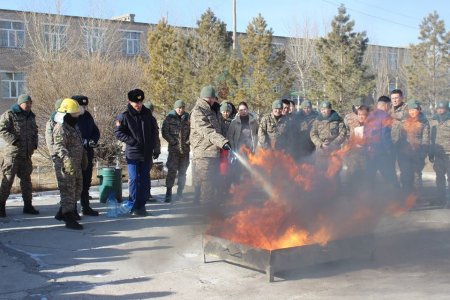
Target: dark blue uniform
{"points": [[90, 135], [140, 132]]}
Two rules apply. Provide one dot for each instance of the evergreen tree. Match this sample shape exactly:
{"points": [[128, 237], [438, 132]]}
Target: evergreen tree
{"points": [[341, 72], [261, 71], [163, 76], [428, 73], [208, 53]]}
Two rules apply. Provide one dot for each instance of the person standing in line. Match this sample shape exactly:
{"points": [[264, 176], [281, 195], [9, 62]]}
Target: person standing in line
{"points": [[413, 147], [269, 126], [206, 141], [69, 160], [398, 112], [90, 135], [176, 130], [440, 150], [302, 146], [137, 128], [19, 130]]}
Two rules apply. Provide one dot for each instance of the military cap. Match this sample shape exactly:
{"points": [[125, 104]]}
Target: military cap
{"points": [[277, 104], [306, 103], [208, 92], [325, 104], [136, 95], [225, 106], [442, 104], [81, 99], [23, 98], [179, 103], [413, 104]]}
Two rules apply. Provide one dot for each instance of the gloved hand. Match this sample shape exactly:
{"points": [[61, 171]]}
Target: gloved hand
{"points": [[68, 167], [84, 161], [226, 146], [92, 144], [156, 155]]}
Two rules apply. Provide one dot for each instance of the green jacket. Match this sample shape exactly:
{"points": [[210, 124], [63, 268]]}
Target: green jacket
{"points": [[330, 130], [269, 131], [175, 130], [440, 135], [206, 133], [20, 132]]}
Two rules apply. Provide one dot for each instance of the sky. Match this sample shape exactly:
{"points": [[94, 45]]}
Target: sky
{"points": [[389, 23]]}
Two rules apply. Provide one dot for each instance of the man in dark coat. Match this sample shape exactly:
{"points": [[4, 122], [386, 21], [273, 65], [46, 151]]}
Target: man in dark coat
{"points": [[90, 135], [137, 128]]}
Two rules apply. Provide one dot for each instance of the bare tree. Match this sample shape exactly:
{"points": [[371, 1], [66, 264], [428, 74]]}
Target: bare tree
{"points": [[68, 56], [301, 55]]}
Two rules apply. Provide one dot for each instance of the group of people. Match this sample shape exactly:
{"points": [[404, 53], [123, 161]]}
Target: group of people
{"points": [[392, 132]]}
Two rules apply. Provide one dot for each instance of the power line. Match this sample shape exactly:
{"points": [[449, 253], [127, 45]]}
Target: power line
{"points": [[397, 13], [372, 16]]}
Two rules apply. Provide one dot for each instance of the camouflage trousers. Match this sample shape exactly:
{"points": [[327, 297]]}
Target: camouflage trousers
{"points": [[70, 187], [411, 165], [206, 179], [442, 167], [22, 167], [177, 164]]}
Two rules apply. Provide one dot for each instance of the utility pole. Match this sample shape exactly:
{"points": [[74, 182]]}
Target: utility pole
{"points": [[234, 25]]}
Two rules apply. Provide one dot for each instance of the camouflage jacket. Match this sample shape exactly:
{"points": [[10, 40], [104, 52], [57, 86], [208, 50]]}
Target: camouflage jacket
{"points": [[68, 144], [302, 125], [440, 134], [49, 134], [398, 114], [351, 122], [20, 132], [415, 135], [269, 131], [175, 130], [330, 130], [206, 135]]}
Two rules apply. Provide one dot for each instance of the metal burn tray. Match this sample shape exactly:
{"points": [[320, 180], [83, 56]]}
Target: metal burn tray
{"points": [[272, 261]]}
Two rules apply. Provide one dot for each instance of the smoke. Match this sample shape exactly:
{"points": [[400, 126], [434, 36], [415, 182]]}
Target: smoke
{"points": [[277, 202]]}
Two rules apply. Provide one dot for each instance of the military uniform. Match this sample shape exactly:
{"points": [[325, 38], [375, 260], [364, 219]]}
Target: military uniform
{"points": [[19, 130], [440, 151], [175, 130], [269, 131], [302, 124], [68, 157], [329, 131], [206, 141], [413, 146]]}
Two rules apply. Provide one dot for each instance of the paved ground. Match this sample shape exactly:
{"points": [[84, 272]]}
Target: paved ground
{"points": [[161, 256]]}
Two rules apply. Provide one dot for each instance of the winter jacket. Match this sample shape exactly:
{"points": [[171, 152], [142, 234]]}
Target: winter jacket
{"points": [[175, 130], [234, 132], [49, 134], [140, 132], [19, 130], [89, 131], [415, 135], [269, 131], [377, 133], [302, 144], [67, 143], [206, 133], [328, 130], [398, 114], [440, 134]]}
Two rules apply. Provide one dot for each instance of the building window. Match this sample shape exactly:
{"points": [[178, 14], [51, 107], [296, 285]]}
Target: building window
{"points": [[12, 34], [93, 38], [131, 42], [13, 84], [55, 36]]}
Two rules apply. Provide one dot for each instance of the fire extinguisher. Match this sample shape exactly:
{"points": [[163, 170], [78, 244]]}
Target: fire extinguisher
{"points": [[224, 162]]}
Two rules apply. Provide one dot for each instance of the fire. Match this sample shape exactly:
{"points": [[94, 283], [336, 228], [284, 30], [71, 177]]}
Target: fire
{"points": [[302, 205]]}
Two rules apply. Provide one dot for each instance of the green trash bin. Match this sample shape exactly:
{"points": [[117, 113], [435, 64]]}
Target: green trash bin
{"points": [[110, 181]]}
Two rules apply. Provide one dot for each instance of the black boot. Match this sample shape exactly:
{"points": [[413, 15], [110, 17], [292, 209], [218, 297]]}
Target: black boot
{"points": [[88, 211], [168, 195], [76, 214], [71, 222], [59, 215], [2, 210], [29, 209]]}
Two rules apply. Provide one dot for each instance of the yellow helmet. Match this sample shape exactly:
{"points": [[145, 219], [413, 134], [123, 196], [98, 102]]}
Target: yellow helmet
{"points": [[69, 106]]}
